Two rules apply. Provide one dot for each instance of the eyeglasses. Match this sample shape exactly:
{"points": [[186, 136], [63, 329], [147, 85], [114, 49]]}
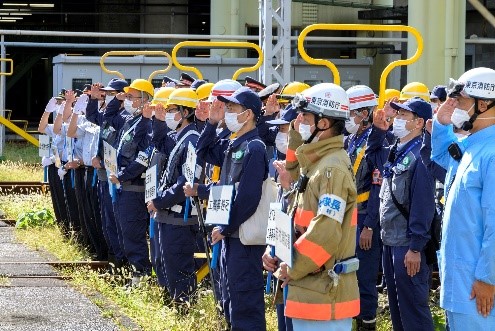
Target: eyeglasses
{"points": [[172, 110]]}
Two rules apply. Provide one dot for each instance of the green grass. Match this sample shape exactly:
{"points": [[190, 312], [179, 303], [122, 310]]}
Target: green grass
{"points": [[21, 152], [12, 205]]}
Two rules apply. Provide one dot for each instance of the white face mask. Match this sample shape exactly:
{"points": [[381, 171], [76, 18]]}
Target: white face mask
{"points": [[460, 116], [170, 121], [232, 123], [351, 126], [282, 142], [399, 127], [108, 98], [459, 135], [305, 132], [128, 107]]}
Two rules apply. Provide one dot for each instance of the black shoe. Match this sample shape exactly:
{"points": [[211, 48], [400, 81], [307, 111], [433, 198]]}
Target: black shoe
{"points": [[367, 325]]}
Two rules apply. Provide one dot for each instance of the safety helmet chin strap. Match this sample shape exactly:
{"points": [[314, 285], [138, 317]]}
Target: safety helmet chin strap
{"points": [[317, 129], [467, 126]]}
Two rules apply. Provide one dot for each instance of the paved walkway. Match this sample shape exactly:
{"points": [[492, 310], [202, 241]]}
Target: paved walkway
{"points": [[40, 304]]}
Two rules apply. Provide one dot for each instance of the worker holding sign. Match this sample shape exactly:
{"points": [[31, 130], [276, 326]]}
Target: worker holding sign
{"points": [[244, 165], [322, 286], [178, 233]]}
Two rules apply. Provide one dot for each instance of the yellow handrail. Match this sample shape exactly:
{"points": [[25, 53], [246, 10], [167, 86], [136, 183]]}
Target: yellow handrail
{"points": [[19, 131], [11, 67], [126, 53], [361, 27], [216, 44]]}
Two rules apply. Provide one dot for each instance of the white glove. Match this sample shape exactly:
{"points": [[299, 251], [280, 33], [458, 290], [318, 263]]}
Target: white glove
{"points": [[61, 173], [81, 104], [60, 110], [51, 106], [46, 161]]}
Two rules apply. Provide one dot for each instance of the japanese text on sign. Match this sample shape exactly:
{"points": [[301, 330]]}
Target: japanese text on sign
{"points": [[150, 184], [272, 225], [283, 237], [110, 158], [189, 167], [44, 148], [219, 204]]}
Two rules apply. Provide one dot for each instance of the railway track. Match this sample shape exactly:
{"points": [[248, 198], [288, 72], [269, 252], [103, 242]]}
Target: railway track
{"points": [[23, 187]]}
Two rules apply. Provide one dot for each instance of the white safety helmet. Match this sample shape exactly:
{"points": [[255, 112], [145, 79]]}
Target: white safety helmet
{"points": [[324, 100], [225, 87], [478, 83], [361, 96]]}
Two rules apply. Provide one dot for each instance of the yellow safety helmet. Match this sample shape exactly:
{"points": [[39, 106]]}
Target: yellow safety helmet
{"points": [[292, 89], [415, 89], [204, 90], [161, 96], [390, 93], [141, 85], [185, 97]]}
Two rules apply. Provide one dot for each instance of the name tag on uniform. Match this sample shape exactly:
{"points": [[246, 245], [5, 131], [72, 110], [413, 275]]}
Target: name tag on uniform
{"points": [[219, 204], [150, 184]]}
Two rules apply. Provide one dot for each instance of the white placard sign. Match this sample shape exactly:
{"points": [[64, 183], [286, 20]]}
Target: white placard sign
{"points": [[272, 226], [189, 167], [110, 158], [69, 148], [219, 204], [44, 147], [150, 184], [283, 237]]}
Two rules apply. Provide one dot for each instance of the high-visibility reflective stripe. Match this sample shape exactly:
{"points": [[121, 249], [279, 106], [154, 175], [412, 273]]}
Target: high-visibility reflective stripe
{"points": [[303, 217], [321, 311], [363, 197], [290, 155], [357, 163], [310, 311], [354, 217], [347, 309], [314, 251]]}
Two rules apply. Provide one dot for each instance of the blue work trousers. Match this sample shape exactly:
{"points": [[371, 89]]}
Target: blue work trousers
{"points": [[177, 247], [156, 257], [133, 220], [109, 223], [241, 273], [407, 296], [367, 275]]}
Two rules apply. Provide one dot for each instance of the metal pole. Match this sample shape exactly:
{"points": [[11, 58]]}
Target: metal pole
{"points": [[2, 93]]}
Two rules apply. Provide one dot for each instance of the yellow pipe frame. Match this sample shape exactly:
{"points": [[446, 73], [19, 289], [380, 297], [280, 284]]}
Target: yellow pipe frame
{"points": [[8, 123], [216, 44], [361, 27], [132, 53], [19, 131], [11, 67]]}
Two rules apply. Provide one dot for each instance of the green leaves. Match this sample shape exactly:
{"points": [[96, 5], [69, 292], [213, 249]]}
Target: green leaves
{"points": [[37, 218]]}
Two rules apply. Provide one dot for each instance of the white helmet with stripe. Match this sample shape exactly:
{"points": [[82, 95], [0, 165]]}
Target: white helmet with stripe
{"points": [[361, 96], [324, 100], [225, 87]]}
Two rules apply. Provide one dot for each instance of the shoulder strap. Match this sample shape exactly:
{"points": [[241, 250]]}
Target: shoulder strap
{"points": [[400, 207]]}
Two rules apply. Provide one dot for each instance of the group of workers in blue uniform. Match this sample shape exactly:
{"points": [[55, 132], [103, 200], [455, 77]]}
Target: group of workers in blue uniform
{"points": [[423, 156]]}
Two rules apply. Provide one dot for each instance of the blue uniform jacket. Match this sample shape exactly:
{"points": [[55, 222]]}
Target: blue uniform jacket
{"points": [[131, 168], [419, 194], [174, 194], [468, 232], [254, 172]]}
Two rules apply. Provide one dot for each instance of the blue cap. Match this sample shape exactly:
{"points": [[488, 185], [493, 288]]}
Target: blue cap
{"points": [[246, 98], [167, 80], [115, 84], [286, 116], [439, 92], [197, 83], [417, 106]]}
